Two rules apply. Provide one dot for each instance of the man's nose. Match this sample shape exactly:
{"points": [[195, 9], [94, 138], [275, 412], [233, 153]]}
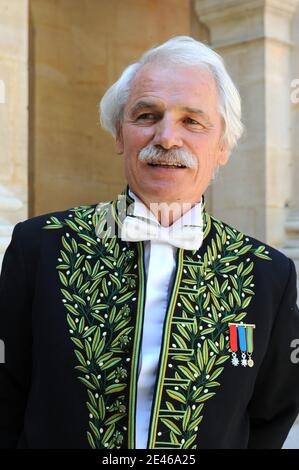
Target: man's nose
{"points": [[167, 134]]}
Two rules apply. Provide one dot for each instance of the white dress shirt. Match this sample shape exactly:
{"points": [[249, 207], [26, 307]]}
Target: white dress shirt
{"points": [[160, 263]]}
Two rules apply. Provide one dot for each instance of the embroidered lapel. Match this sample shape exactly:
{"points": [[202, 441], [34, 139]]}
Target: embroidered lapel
{"points": [[103, 291], [212, 288]]}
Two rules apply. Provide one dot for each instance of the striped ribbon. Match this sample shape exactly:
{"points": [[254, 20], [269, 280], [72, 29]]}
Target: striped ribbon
{"points": [[241, 336]]}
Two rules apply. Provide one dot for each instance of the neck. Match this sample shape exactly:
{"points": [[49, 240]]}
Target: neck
{"points": [[167, 212]]}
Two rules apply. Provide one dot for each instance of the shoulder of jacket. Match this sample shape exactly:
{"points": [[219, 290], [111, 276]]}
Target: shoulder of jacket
{"points": [[277, 256], [29, 233], [41, 221]]}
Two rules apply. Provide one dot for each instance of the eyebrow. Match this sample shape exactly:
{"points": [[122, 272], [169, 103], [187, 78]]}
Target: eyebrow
{"points": [[199, 112], [140, 105]]}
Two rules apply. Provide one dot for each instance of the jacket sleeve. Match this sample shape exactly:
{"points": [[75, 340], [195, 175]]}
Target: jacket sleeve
{"points": [[275, 402], [15, 337]]}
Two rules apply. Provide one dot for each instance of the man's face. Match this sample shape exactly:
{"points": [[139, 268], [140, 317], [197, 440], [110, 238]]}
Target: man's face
{"points": [[171, 107]]}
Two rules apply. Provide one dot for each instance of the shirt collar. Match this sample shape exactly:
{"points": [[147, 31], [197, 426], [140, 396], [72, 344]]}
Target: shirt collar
{"points": [[191, 217]]}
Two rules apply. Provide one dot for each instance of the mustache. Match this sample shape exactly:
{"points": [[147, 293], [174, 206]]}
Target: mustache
{"points": [[156, 154]]}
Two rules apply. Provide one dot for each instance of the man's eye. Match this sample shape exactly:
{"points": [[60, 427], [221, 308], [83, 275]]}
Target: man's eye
{"points": [[146, 116], [192, 121]]}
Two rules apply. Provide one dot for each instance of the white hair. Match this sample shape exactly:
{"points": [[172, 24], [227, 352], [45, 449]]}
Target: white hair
{"points": [[180, 50]]}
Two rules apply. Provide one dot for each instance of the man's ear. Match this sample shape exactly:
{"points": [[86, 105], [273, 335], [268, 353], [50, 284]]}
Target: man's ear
{"points": [[119, 141], [223, 154]]}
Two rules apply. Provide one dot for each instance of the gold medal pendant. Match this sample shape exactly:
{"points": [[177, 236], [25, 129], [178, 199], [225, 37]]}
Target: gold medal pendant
{"points": [[250, 361]]}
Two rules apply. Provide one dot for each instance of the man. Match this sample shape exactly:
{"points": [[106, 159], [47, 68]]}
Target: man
{"points": [[144, 322]]}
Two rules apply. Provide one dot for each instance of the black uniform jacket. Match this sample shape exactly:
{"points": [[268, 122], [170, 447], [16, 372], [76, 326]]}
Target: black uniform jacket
{"points": [[71, 317]]}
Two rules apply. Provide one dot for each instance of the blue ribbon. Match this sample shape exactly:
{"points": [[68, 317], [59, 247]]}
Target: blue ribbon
{"points": [[242, 338]]}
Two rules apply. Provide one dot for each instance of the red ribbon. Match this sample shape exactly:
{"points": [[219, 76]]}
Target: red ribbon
{"points": [[233, 338]]}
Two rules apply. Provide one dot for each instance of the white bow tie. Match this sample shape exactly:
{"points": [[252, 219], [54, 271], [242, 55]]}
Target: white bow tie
{"points": [[135, 229]]}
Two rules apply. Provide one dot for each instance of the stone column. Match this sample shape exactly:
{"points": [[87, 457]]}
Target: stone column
{"points": [[294, 206], [254, 37], [13, 116]]}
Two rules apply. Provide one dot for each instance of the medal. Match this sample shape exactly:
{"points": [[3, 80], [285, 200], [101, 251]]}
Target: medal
{"points": [[241, 337], [249, 331], [242, 343], [233, 340], [250, 362]]}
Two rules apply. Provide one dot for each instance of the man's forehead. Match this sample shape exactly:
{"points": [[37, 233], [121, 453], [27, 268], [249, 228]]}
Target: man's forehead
{"points": [[153, 84], [152, 72]]}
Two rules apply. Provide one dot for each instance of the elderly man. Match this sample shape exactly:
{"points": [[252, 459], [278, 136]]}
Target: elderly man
{"points": [[145, 322]]}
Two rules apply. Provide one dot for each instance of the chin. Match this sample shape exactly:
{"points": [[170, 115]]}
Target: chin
{"points": [[160, 192]]}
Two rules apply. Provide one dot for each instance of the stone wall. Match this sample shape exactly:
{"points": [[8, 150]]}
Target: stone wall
{"points": [[13, 116], [77, 49]]}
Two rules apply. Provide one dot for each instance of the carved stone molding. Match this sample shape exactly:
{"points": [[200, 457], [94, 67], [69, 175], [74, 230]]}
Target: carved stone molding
{"points": [[218, 10], [239, 21]]}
